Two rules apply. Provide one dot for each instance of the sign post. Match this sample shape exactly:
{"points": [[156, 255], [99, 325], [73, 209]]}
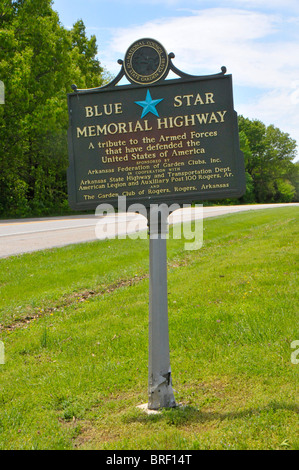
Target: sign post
{"points": [[154, 141], [160, 392]]}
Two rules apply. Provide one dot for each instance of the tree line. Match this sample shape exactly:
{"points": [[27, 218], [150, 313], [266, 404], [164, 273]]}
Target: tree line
{"points": [[39, 61], [271, 175]]}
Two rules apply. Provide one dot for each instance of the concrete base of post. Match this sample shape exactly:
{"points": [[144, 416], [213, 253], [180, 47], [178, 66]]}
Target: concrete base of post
{"points": [[144, 407]]}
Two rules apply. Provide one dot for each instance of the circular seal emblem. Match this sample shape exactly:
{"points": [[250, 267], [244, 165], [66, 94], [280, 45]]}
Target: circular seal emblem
{"points": [[146, 62]]}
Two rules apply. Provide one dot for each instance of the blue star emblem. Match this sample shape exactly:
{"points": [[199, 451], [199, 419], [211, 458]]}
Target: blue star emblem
{"points": [[149, 105]]}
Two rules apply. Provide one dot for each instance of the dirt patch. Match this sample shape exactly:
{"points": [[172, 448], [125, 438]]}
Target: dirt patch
{"points": [[72, 299]]}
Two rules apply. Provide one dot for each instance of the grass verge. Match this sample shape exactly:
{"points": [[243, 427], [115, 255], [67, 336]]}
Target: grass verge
{"points": [[74, 326]]}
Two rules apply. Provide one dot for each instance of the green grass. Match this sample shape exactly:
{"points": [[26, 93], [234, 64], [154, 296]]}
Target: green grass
{"points": [[75, 330]]}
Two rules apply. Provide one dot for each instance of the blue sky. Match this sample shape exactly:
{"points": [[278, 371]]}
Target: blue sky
{"points": [[257, 40]]}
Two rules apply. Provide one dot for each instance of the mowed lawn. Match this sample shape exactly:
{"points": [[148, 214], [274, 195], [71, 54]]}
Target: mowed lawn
{"points": [[74, 325]]}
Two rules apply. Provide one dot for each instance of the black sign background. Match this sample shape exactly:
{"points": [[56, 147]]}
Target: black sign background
{"points": [[184, 149]]}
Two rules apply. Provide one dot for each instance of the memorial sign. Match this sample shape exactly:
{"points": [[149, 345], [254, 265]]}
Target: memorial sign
{"points": [[154, 140], [157, 142]]}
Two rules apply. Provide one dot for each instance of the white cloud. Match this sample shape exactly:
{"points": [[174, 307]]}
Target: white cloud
{"points": [[278, 107], [256, 48]]}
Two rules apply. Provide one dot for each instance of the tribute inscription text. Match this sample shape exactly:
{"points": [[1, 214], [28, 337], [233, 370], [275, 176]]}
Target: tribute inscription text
{"points": [[175, 142]]}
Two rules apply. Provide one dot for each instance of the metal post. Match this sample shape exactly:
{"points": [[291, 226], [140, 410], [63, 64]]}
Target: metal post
{"points": [[159, 374]]}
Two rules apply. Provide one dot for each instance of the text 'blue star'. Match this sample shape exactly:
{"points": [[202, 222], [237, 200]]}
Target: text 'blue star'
{"points": [[149, 105]]}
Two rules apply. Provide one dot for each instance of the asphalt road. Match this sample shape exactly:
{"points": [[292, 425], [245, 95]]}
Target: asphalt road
{"points": [[28, 235]]}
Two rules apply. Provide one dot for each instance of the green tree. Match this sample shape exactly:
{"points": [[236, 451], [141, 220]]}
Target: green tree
{"points": [[84, 52], [249, 196], [268, 160], [292, 176], [39, 60]]}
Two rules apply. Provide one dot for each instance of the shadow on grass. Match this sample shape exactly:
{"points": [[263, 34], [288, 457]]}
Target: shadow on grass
{"points": [[183, 415]]}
